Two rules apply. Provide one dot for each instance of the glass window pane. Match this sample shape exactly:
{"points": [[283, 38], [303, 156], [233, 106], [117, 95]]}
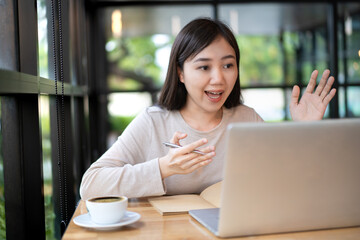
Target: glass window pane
{"points": [[47, 168], [313, 54], [2, 197], [121, 113], [352, 33], [42, 39], [349, 101], [353, 101], [268, 103], [139, 41], [288, 93], [260, 52], [354, 69], [289, 41], [8, 44], [138, 45], [349, 42], [342, 108], [274, 42]]}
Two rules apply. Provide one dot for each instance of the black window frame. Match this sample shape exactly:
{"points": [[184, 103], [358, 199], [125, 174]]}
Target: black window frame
{"points": [[85, 100], [20, 89]]}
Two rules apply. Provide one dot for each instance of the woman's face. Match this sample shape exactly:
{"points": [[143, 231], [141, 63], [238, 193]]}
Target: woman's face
{"points": [[209, 77]]}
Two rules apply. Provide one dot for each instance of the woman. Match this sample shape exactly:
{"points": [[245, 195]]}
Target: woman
{"points": [[200, 97]]}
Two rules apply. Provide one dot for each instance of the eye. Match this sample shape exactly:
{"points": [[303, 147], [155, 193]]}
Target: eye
{"points": [[228, 65], [204, 68]]}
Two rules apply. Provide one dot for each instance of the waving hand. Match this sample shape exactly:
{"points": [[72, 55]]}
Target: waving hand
{"points": [[312, 104]]}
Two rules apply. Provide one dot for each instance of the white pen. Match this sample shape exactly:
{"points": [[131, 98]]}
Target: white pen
{"points": [[178, 146]]}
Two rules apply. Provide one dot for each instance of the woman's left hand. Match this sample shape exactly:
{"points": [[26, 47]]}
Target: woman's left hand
{"points": [[312, 105]]}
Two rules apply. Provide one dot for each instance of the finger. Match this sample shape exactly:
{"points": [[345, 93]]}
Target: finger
{"points": [[322, 83], [181, 157], [189, 164], [194, 145], [312, 83], [188, 159], [177, 137], [295, 95], [199, 165], [328, 97], [185, 161], [327, 88], [207, 149]]}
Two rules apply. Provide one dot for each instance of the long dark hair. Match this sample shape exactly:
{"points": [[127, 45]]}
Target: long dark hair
{"points": [[192, 39]]}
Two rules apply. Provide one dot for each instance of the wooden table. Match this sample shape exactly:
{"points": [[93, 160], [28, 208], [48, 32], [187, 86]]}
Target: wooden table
{"points": [[154, 226]]}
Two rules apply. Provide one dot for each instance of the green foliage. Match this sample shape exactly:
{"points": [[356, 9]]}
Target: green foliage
{"points": [[47, 175], [49, 218], [2, 198], [290, 43], [260, 60], [124, 84], [43, 45], [136, 55], [2, 216], [141, 55], [43, 61], [45, 125], [119, 123]]}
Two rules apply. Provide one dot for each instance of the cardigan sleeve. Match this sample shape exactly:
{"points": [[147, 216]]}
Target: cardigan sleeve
{"points": [[123, 169]]}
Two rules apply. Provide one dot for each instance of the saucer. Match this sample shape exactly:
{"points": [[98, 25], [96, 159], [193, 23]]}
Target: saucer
{"points": [[84, 220]]}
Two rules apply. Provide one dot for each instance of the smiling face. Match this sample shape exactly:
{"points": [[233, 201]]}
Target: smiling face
{"points": [[209, 77]]}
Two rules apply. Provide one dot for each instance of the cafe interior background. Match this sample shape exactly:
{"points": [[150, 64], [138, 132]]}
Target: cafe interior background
{"points": [[73, 74]]}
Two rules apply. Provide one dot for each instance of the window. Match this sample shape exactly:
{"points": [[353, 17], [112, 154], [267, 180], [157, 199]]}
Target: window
{"points": [[43, 68], [353, 99], [276, 55], [28, 145], [269, 103], [260, 52], [119, 54], [44, 109], [121, 113], [2, 196], [138, 45], [349, 59], [44, 114]]}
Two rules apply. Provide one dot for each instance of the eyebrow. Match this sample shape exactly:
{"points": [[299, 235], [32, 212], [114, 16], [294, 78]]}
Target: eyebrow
{"points": [[209, 59]]}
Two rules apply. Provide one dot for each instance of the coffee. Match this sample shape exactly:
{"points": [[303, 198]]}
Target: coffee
{"points": [[107, 209], [106, 199]]}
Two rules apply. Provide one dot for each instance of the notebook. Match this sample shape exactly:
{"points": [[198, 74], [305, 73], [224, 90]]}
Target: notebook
{"points": [[288, 176], [182, 203]]}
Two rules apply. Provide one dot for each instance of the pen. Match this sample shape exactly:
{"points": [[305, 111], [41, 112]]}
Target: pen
{"points": [[177, 146]]}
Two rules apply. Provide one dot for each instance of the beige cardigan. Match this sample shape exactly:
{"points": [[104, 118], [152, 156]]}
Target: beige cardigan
{"points": [[130, 167]]}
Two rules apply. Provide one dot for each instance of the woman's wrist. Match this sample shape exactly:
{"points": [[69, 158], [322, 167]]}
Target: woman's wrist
{"points": [[164, 170]]}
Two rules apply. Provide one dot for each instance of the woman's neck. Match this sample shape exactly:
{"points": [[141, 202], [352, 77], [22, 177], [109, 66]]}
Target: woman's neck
{"points": [[202, 121]]}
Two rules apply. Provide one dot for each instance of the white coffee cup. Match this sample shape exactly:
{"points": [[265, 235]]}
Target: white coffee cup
{"points": [[107, 210]]}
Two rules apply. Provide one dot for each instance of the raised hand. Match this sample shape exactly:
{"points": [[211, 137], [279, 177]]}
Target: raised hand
{"points": [[183, 160], [312, 104]]}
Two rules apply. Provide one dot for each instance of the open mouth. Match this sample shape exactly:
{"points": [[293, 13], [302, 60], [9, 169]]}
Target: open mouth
{"points": [[214, 95]]}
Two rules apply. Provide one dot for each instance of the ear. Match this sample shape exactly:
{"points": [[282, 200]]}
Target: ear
{"points": [[180, 74]]}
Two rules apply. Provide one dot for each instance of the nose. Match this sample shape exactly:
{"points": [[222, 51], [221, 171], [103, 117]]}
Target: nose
{"points": [[217, 76]]}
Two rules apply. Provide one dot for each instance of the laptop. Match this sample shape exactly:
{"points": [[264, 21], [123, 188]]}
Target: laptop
{"points": [[286, 177]]}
